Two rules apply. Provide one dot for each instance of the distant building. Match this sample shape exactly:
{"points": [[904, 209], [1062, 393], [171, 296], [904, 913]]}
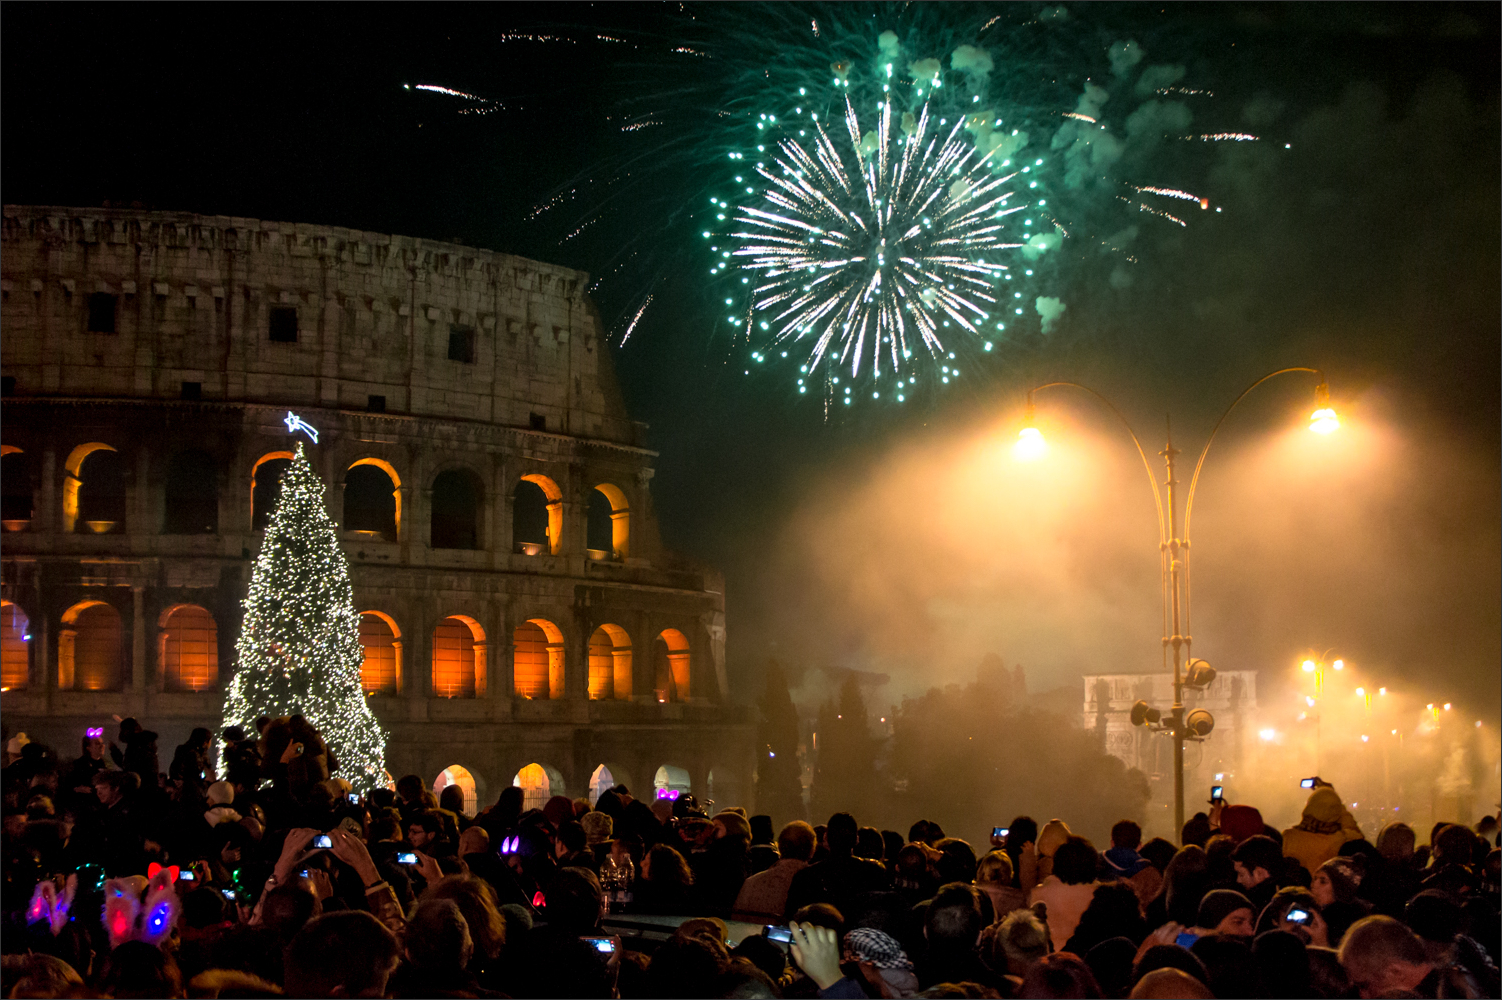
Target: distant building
{"points": [[1231, 698], [521, 619]]}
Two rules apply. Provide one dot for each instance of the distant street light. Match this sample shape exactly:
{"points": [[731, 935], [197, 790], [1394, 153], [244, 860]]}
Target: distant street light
{"points": [[1174, 564]]}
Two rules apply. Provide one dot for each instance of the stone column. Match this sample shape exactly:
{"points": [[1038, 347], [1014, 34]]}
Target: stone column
{"points": [[138, 640]]}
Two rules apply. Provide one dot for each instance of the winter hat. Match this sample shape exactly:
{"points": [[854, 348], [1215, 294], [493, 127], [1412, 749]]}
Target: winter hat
{"points": [[1324, 806], [1219, 904], [735, 825], [1241, 822], [867, 944], [598, 827], [1052, 837], [559, 810], [1345, 877], [221, 793]]}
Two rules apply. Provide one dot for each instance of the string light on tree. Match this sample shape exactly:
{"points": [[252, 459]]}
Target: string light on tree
{"points": [[299, 648]]}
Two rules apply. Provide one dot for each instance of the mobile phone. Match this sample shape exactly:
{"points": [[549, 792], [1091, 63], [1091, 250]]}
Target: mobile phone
{"points": [[1298, 915], [1217, 793], [187, 876], [323, 840], [603, 945], [774, 932], [1186, 940], [228, 894], [1308, 782], [354, 799], [1000, 831], [305, 873], [406, 858]]}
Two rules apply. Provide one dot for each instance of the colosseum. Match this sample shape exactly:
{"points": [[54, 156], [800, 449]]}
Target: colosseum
{"points": [[522, 622]]}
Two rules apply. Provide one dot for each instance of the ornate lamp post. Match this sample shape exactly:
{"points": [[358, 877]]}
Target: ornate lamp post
{"points": [[1173, 550]]}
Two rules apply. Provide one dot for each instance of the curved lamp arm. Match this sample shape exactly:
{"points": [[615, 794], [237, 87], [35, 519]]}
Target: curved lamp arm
{"points": [[1146, 465]]}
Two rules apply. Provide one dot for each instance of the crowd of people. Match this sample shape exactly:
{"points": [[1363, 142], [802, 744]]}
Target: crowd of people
{"points": [[249, 868]]}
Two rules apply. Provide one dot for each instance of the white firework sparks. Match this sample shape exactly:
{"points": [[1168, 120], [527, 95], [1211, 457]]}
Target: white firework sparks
{"points": [[868, 250]]}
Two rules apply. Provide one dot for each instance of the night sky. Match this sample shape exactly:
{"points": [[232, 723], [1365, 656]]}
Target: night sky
{"points": [[1368, 247]]}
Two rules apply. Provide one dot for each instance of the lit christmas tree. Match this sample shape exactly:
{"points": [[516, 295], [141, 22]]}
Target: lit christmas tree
{"points": [[299, 649]]}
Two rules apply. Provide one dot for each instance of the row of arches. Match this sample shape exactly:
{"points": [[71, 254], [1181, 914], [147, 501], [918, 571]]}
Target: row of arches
{"points": [[540, 782], [94, 501], [91, 655], [459, 647]]}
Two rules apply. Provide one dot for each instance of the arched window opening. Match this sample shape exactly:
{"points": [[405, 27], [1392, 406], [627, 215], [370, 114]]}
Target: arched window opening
{"points": [[266, 487], [600, 780], [372, 499], [456, 774], [17, 490], [722, 789], [609, 664], [537, 516], [670, 782], [90, 654], [458, 658], [670, 666], [189, 650], [456, 510], [537, 664], [609, 522], [94, 490], [537, 785], [15, 647], [380, 672], [192, 495]]}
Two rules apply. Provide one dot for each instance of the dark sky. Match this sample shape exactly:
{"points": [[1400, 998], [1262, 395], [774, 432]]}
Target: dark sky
{"points": [[1368, 248]]}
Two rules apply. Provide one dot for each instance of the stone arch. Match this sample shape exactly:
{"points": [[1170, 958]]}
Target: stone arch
{"points": [[266, 486], [98, 508], [537, 659], [458, 658], [381, 638], [17, 488], [15, 647], [552, 507], [456, 498], [90, 650], [610, 664], [671, 781], [458, 774], [609, 523], [191, 494], [607, 775], [671, 666], [373, 499], [538, 782], [187, 649]]}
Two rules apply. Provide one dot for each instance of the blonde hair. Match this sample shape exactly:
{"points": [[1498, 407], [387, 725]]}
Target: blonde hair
{"points": [[994, 868]]}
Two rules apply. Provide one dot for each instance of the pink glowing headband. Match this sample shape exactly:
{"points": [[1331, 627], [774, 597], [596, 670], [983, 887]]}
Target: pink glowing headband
{"points": [[94, 732]]}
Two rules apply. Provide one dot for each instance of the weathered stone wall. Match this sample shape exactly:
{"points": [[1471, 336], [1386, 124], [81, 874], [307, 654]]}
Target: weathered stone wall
{"points": [[374, 317]]}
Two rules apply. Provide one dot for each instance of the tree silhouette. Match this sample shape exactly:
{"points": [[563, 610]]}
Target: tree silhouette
{"points": [[779, 785], [845, 776]]}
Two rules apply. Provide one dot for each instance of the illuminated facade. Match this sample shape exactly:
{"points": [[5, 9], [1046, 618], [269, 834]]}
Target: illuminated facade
{"points": [[518, 606]]}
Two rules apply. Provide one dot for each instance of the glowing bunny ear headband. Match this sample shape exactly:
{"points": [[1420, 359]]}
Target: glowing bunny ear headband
{"points": [[510, 844], [126, 919], [47, 905]]}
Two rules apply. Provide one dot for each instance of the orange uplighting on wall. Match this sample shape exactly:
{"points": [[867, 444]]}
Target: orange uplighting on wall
{"points": [[189, 650], [380, 672], [535, 786], [537, 665], [456, 774], [554, 497], [90, 653], [671, 666], [15, 648], [620, 520], [456, 667], [609, 664], [73, 481]]}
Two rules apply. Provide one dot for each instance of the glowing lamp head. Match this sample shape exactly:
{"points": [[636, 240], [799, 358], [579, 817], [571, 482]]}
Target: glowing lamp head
{"points": [[1030, 445], [1339, 664], [1308, 666], [1323, 420], [1361, 691]]}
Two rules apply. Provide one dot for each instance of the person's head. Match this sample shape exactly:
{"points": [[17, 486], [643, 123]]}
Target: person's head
{"points": [[437, 936], [1241, 822], [1436, 917], [1396, 841], [1282, 964], [954, 919], [1454, 845], [686, 965], [1022, 830], [1053, 835], [918, 832], [1255, 860], [1383, 956], [1060, 975], [474, 840], [40, 975], [1228, 963], [425, 828], [366, 950], [202, 907], [1074, 861], [452, 799], [868, 843], [93, 747], [575, 901], [1169, 956], [1168, 982], [1196, 830], [956, 860], [1184, 883], [663, 864], [733, 825], [761, 952], [1336, 881], [477, 901], [111, 786], [385, 825], [286, 909], [840, 834], [912, 864], [1126, 834], [1158, 852], [200, 738], [796, 842], [822, 915], [1225, 911], [994, 869], [1014, 943], [598, 826], [571, 838], [1110, 962], [137, 969]]}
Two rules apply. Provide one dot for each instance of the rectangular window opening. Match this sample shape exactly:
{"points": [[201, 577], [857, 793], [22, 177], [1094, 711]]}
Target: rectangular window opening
{"points": [[539, 422], [192, 390], [283, 324], [375, 404], [102, 312], [7, 385], [462, 343]]}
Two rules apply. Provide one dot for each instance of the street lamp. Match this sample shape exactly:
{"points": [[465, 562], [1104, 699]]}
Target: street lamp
{"points": [[1173, 560]]}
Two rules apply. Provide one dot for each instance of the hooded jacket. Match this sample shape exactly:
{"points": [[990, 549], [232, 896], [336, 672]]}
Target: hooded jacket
{"points": [[1326, 825]]}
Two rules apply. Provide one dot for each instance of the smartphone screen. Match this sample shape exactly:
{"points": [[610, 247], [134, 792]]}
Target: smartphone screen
{"points": [[1186, 940], [228, 894], [406, 858], [603, 945], [1217, 792], [354, 799], [999, 831], [1307, 783], [187, 876], [323, 840], [1298, 916], [773, 932]]}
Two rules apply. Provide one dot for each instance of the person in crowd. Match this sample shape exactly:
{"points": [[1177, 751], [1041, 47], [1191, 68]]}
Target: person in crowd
{"points": [[720, 867], [1240, 822], [1060, 975], [664, 884], [1226, 912], [1069, 887], [993, 876], [1324, 826], [763, 897], [344, 954], [1130, 866], [1257, 860], [841, 876], [1383, 958]]}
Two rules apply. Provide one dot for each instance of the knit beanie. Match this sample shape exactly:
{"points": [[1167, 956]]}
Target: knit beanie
{"points": [[1345, 877], [735, 823], [1241, 822], [1219, 904], [598, 827]]}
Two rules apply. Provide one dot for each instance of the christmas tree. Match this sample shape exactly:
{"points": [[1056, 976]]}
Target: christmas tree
{"points": [[299, 650]]}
